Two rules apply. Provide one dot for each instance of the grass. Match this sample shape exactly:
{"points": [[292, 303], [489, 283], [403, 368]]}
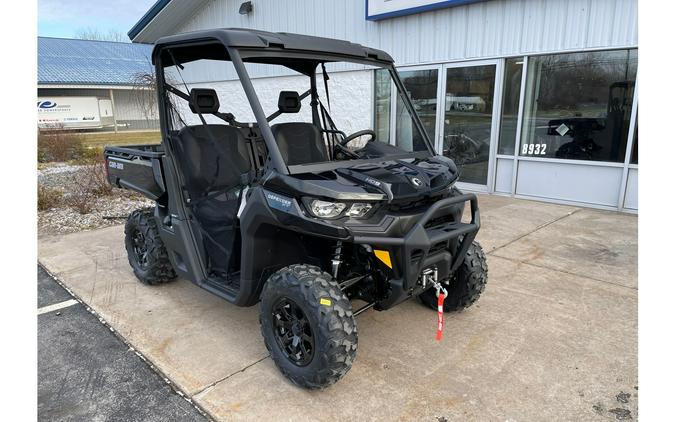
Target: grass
{"points": [[99, 140]]}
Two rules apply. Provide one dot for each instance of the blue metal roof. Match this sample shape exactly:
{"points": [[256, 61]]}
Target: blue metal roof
{"points": [[66, 61]]}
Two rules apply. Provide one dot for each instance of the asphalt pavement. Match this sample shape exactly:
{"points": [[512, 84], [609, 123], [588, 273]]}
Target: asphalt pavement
{"points": [[87, 373]]}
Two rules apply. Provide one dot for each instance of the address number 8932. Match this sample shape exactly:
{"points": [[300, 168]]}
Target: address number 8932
{"points": [[533, 149]]}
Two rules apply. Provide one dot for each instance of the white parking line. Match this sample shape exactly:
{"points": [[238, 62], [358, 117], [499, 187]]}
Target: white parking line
{"points": [[57, 306]]}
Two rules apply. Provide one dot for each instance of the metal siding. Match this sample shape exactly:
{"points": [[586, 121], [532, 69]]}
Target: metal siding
{"points": [[458, 35], [533, 26], [625, 28], [476, 26], [512, 16], [600, 24], [576, 24], [494, 28], [487, 29], [555, 22]]}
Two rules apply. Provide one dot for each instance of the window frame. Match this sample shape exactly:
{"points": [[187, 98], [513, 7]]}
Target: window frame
{"points": [[521, 115]]}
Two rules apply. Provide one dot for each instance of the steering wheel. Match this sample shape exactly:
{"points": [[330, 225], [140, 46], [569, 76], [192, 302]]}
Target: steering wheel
{"points": [[355, 135]]}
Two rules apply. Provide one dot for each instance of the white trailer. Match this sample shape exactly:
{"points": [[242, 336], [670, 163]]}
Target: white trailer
{"points": [[74, 112]]}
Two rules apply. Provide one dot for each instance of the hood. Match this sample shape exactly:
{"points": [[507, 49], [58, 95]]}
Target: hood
{"points": [[389, 180], [401, 179]]}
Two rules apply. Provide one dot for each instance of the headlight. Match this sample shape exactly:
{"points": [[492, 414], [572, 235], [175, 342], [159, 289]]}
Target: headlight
{"points": [[328, 209], [359, 210], [325, 209]]}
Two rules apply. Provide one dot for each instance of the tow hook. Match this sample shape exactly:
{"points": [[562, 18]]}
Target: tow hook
{"points": [[430, 276]]}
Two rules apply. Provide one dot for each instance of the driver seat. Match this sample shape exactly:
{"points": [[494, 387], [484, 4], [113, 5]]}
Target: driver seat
{"points": [[300, 143]]}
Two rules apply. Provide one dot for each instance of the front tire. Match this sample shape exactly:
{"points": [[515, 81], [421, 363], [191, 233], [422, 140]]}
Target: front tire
{"points": [[308, 326], [465, 286], [146, 251]]}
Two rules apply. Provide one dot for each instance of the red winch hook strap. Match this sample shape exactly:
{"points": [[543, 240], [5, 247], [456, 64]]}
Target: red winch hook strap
{"points": [[439, 331]]}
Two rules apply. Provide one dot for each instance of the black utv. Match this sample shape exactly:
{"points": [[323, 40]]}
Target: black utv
{"points": [[261, 195]]}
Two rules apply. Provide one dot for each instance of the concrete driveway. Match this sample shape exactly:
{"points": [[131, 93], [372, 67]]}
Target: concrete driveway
{"points": [[554, 337]]}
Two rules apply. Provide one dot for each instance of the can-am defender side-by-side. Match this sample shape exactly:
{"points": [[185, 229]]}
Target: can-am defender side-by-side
{"points": [[297, 215]]}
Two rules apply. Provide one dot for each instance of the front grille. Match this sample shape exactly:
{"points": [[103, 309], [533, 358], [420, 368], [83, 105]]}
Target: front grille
{"points": [[438, 247], [411, 206], [439, 221]]}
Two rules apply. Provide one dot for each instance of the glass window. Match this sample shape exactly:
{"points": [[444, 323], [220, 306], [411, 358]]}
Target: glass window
{"points": [[578, 105], [513, 74], [382, 104], [422, 88], [408, 136], [469, 98]]}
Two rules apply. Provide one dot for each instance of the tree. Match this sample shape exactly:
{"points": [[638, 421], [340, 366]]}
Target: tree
{"points": [[96, 34], [145, 94]]}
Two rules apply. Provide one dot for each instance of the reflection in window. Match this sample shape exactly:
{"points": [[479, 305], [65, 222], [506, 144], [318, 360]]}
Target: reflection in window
{"points": [[382, 104], [421, 86], [578, 106], [469, 98], [512, 77], [408, 137]]}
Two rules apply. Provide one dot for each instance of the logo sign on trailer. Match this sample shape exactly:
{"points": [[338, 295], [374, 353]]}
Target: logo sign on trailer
{"points": [[383, 9], [74, 112]]}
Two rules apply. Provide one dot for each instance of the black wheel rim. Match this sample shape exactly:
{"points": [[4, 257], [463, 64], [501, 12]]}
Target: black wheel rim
{"points": [[140, 248], [292, 331]]}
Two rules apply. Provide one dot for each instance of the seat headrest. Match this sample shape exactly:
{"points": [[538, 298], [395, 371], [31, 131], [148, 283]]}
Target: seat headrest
{"points": [[289, 102], [204, 100]]}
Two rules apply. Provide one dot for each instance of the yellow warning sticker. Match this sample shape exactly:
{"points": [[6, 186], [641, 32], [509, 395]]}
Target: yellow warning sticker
{"points": [[326, 302]]}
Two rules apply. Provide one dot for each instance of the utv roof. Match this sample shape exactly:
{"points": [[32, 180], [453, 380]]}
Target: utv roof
{"points": [[251, 38]]}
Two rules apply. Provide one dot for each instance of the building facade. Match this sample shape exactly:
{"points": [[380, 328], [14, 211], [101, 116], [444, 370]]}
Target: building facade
{"points": [[97, 78], [531, 98]]}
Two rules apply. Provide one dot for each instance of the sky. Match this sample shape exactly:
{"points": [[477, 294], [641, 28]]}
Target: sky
{"points": [[64, 18]]}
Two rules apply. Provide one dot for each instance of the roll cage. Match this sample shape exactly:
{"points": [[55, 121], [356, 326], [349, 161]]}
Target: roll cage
{"points": [[303, 54]]}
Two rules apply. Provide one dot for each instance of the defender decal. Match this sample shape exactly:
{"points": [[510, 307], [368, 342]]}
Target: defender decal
{"points": [[278, 202]]}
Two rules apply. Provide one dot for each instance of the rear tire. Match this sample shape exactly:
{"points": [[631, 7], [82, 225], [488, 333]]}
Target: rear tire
{"points": [[308, 326], [465, 286], [146, 251]]}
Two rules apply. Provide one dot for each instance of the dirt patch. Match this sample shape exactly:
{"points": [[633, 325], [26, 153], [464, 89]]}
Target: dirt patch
{"points": [[623, 397], [621, 414]]}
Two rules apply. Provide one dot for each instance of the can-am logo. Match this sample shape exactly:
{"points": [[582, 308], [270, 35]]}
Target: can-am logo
{"points": [[46, 104]]}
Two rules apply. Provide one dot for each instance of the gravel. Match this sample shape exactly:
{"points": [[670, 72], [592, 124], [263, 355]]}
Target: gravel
{"points": [[107, 211]]}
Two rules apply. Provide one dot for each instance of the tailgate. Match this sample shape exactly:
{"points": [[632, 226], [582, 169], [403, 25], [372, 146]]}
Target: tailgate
{"points": [[136, 167]]}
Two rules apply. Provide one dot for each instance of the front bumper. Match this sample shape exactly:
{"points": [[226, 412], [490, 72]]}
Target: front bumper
{"points": [[414, 240], [424, 245]]}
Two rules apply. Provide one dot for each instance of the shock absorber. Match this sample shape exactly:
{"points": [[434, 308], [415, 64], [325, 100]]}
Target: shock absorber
{"points": [[337, 258]]}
